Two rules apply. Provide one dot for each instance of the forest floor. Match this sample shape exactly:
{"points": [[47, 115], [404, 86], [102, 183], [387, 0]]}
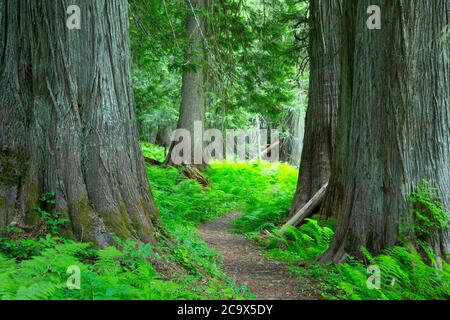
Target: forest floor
{"points": [[216, 249], [246, 265]]}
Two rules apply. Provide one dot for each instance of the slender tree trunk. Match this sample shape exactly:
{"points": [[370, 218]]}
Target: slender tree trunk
{"points": [[394, 124], [299, 132], [193, 83], [68, 122], [292, 145], [321, 116]]}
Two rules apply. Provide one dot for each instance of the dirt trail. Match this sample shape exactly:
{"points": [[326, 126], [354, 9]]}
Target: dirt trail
{"points": [[246, 265]]}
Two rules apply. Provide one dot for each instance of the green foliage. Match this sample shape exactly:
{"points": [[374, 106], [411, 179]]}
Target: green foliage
{"points": [[37, 268], [33, 268], [122, 272], [263, 191], [202, 262], [156, 79], [42, 276], [22, 245], [429, 212], [298, 245], [153, 152], [184, 204], [254, 42], [310, 240], [22, 248], [183, 199], [52, 220], [404, 275], [105, 274]]}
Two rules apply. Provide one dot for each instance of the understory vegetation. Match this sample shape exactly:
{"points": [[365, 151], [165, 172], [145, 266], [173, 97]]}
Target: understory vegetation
{"points": [[401, 272], [321, 115], [40, 266], [405, 272]]}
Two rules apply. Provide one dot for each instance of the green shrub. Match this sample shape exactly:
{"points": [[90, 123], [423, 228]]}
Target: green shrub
{"points": [[24, 248], [105, 274], [262, 191], [154, 152], [429, 213], [22, 245], [52, 220], [183, 199], [404, 275]]}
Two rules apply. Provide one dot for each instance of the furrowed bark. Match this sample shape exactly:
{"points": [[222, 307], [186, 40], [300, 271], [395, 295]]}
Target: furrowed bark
{"points": [[394, 125], [68, 120], [321, 116]]}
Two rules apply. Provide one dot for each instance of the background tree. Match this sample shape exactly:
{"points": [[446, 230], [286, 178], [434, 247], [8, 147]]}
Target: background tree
{"points": [[250, 67], [258, 78], [394, 124], [68, 120], [157, 31], [192, 108]]}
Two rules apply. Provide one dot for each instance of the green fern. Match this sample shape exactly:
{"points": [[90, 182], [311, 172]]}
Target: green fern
{"points": [[404, 275], [37, 291], [429, 212]]}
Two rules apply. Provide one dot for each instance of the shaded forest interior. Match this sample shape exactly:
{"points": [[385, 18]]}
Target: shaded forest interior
{"points": [[236, 149]]}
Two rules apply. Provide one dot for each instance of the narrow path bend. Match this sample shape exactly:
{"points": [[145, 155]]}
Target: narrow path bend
{"points": [[246, 265]]}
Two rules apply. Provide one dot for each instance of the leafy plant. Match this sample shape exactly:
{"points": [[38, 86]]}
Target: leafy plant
{"points": [[53, 220], [154, 152], [430, 215], [404, 275], [22, 248]]}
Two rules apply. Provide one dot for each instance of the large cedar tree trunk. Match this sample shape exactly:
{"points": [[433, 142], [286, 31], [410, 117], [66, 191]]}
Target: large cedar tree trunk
{"points": [[394, 124], [67, 121], [321, 116], [193, 83]]}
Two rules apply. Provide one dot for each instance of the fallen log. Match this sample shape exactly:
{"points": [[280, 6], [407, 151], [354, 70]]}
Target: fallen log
{"points": [[152, 162], [193, 173], [307, 209]]}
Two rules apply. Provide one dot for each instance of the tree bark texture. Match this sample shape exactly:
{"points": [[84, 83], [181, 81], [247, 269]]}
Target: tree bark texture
{"points": [[321, 116], [68, 122], [394, 124]]}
